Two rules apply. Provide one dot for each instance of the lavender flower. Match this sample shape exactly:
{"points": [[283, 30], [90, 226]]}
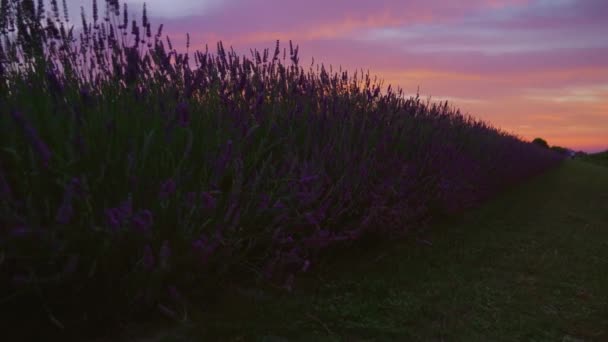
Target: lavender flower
{"points": [[269, 268], [85, 95], [279, 205], [264, 201], [305, 266], [142, 221], [182, 114], [164, 254], [204, 248], [174, 293], [199, 243], [66, 211], [113, 220], [167, 189], [289, 283], [125, 208], [310, 218], [133, 66], [224, 157], [117, 217], [148, 258], [21, 231], [320, 239], [55, 85], [208, 201]]}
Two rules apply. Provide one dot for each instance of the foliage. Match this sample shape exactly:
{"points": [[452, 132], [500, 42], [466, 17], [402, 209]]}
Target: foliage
{"points": [[561, 150], [540, 142]]}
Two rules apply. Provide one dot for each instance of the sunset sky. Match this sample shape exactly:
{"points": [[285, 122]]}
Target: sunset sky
{"points": [[531, 67]]}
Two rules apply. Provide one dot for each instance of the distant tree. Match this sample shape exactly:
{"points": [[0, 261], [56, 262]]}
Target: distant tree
{"points": [[540, 142], [561, 150]]}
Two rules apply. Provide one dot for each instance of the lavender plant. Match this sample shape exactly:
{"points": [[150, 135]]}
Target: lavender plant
{"points": [[132, 174]]}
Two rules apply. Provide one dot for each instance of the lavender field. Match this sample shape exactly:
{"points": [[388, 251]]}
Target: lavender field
{"points": [[136, 179]]}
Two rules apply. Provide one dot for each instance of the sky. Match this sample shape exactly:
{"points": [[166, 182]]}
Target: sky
{"points": [[534, 68]]}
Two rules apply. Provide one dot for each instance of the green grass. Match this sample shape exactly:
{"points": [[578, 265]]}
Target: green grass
{"points": [[530, 265], [600, 158]]}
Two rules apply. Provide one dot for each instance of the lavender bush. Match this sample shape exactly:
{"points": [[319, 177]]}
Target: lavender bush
{"points": [[131, 174]]}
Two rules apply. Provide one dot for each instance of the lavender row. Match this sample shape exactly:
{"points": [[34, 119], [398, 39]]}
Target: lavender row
{"points": [[129, 169]]}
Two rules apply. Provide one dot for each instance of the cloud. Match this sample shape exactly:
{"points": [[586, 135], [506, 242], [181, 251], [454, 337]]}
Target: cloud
{"points": [[586, 94], [156, 8]]}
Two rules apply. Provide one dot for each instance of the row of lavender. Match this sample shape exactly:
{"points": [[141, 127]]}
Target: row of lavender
{"points": [[128, 173]]}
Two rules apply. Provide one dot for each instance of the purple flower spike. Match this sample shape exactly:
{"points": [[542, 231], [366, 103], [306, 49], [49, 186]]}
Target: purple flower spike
{"points": [[65, 212], [142, 221], [78, 186], [310, 217], [112, 218], [148, 258], [208, 201], [126, 208], [279, 205], [264, 201], [164, 254], [167, 189], [204, 249], [306, 266], [199, 244], [182, 114], [21, 231], [54, 84], [289, 283], [174, 293], [85, 95]]}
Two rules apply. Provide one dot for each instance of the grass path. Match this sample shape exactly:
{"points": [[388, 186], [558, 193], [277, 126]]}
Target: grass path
{"points": [[530, 265]]}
